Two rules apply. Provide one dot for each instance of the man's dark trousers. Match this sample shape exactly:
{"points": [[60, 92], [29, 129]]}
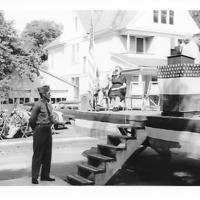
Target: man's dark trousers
{"points": [[42, 150]]}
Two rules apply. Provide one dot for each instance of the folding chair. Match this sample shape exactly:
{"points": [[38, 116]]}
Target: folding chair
{"points": [[136, 95], [152, 98]]}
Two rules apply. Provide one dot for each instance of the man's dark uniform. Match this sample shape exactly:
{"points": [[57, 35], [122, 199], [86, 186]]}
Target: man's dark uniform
{"points": [[41, 121]]}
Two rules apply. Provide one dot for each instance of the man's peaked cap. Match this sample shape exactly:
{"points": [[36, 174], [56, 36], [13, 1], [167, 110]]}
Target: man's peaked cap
{"points": [[44, 89]]}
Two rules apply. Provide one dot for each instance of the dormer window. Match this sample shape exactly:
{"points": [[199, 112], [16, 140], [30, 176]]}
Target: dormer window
{"points": [[163, 16], [155, 16], [171, 17]]}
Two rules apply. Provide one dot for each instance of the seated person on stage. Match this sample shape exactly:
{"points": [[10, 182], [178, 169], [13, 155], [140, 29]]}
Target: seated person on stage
{"points": [[192, 48], [117, 91]]}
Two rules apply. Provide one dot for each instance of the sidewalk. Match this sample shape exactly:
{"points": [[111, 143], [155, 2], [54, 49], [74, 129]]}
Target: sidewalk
{"points": [[26, 181]]}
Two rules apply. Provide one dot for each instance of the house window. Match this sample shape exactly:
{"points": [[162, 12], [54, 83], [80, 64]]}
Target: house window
{"points": [[53, 100], [36, 99], [58, 100], [163, 16], [155, 16], [10, 101], [171, 17], [21, 101], [16, 100], [27, 100], [139, 45]]}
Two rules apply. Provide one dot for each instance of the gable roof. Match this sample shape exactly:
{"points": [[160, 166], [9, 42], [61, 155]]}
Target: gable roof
{"points": [[183, 23], [126, 20], [105, 19]]}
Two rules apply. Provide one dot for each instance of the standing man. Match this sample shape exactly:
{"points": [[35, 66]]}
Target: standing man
{"points": [[192, 48], [41, 121]]}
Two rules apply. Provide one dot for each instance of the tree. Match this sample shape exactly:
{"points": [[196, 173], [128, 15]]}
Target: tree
{"points": [[13, 56], [37, 34], [23, 55], [8, 48], [196, 16]]}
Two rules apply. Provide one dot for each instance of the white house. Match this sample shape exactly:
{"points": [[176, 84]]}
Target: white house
{"points": [[136, 40]]}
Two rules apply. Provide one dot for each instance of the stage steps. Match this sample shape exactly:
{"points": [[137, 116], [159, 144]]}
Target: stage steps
{"points": [[79, 180], [106, 159]]}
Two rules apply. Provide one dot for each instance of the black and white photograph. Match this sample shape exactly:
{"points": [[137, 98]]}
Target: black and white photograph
{"points": [[99, 97]]}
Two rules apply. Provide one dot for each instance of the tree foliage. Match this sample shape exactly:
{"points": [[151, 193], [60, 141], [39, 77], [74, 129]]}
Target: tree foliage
{"points": [[13, 56], [196, 16], [23, 54], [9, 48], [39, 33]]}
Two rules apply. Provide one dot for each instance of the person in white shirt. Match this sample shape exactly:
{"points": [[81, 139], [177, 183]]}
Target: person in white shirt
{"points": [[192, 48], [187, 38]]}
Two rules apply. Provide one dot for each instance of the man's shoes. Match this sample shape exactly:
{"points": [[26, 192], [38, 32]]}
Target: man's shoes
{"points": [[34, 181], [47, 179]]}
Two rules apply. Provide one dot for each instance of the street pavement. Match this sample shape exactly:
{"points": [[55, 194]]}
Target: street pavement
{"points": [[68, 145]]}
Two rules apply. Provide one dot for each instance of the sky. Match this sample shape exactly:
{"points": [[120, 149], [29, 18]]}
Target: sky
{"points": [[22, 17], [24, 11]]}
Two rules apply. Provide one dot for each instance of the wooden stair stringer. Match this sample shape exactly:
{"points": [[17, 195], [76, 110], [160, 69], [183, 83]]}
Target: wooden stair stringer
{"points": [[121, 158]]}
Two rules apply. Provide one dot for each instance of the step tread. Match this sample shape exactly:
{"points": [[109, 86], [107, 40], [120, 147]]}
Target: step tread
{"points": [[91, 168], [121, 137], [130, 126], [112, 146], [80, 179], [101, 157]]}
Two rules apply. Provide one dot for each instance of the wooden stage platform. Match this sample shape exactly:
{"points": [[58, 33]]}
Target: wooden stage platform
{"points": [[180, 134], [119, 117], [153, 119]]}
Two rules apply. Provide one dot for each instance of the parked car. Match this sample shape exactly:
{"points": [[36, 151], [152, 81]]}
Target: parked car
{"points": [[71, 105]]}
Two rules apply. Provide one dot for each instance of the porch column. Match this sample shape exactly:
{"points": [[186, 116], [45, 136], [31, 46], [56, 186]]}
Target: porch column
{"points": [[128, 43]]}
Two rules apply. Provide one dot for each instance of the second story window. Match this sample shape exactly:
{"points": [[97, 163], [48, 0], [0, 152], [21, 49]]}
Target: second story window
{"points": [[171, 17], [155, 16], [163, 16]]}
